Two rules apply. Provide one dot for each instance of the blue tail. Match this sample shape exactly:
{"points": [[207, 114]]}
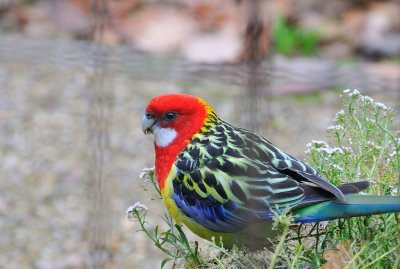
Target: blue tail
{"points": [[354, 205]]}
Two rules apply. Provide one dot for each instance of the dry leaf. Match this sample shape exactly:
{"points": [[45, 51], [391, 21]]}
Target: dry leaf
{"points": [[337, 258]]}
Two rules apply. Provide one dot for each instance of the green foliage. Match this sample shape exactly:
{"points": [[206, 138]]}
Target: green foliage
{"points": [[365, 146], [362, 144], [172, 241], [290, 40]]}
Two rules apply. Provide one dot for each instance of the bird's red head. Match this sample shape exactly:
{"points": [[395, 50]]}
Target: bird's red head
{"points": [[173, 119]]}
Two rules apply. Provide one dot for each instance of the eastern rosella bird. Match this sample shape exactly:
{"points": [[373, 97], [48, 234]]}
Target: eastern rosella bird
{"points": [[226, 182]]}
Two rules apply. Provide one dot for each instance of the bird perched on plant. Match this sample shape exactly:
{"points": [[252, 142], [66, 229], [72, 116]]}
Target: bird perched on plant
{"points": [[226, 182]]}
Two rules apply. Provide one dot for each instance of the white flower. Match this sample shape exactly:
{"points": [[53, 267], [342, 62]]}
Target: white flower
{"points": [[367, 99], [137, 207], [381, 106], [330, 150], [372, 120], [338, 115], [145, 174], [354, 93], [394, 191], [326, 150], [321, 146], [348, 150], [337, 167], [337, 150], [350, 93], [336, 128], [372, 144]]}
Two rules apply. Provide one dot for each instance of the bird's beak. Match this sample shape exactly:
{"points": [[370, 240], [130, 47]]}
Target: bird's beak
{"points": [[148, 122]]}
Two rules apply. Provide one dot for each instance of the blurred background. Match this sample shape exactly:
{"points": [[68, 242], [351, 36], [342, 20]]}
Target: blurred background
{"points": [[75, 76]]}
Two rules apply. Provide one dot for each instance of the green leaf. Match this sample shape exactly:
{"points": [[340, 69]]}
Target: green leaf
{"points": [[164, 262], [182, 234]]}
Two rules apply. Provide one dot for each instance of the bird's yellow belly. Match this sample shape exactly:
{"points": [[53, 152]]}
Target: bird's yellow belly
{"points": [[180, 217], [254, 236]]}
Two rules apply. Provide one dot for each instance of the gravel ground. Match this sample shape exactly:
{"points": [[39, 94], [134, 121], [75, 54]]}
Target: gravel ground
{"points": [[48, 158]]}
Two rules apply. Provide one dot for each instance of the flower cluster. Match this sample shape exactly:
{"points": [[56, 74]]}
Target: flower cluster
{"points": [[371, 144], [381, 106], [365, 100], [362, 144], [133, 210], [147, 174], [337, 167], [336, 128], [321, 146], [339, 116]]}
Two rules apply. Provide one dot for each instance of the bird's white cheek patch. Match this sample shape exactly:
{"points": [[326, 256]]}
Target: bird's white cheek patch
{"points": [[164, 136]]}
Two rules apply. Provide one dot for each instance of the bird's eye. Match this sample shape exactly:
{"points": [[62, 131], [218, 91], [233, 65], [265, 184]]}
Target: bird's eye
{"points": [[148, 115], [169, 116]]}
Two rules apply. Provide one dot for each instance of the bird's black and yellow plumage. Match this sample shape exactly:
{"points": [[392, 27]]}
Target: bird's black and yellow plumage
{"points": [[228, 182], [231, 177]]}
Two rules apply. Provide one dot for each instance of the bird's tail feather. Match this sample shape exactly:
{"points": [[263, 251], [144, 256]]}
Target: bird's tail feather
{"points": [[354, 205]]}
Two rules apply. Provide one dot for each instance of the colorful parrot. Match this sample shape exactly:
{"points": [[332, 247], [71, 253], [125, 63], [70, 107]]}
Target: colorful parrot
{"points": [[226, 182]]}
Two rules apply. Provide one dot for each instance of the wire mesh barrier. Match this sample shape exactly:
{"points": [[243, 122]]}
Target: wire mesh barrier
{"points": [[99, 185], [286, 75], [70, 111], [72, 147], [98, 182]]}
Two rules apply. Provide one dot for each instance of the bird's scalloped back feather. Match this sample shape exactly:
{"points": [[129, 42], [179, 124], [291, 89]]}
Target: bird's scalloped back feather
{"points": [[228, 177]]}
